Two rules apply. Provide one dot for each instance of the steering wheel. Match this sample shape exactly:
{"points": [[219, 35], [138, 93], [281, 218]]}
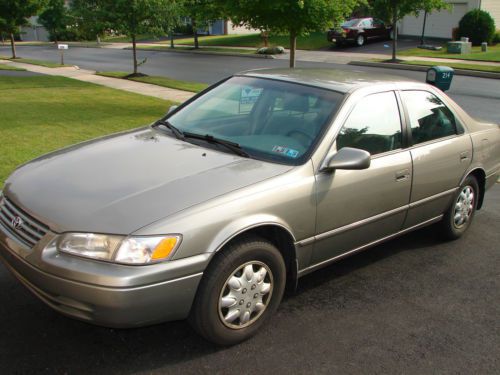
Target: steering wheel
{"points": [[304, 138]]}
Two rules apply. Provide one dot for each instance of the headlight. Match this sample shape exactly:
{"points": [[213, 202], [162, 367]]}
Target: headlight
{"points": [[119, 249]]}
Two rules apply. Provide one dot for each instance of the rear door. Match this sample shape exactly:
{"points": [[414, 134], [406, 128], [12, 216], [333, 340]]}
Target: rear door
{"points": [[441, 153]]}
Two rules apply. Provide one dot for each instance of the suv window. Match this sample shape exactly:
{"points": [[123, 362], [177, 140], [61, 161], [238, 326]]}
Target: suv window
{"points": [[374, 125], [429, 118]]}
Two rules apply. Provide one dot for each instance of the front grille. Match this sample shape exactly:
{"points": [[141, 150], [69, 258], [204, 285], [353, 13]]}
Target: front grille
{"points": [[29, 231]]}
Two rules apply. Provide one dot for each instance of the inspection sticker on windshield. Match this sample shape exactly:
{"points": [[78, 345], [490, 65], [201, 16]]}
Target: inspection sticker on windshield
{"points": [[291, 153]]}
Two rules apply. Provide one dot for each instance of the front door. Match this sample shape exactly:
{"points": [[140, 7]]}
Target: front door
{"points": [[356, 207]]}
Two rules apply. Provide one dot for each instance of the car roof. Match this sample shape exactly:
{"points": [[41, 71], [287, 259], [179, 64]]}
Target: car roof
{"points": [[339, 80]]}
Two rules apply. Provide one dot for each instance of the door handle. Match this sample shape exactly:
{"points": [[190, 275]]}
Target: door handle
{"points": [[464, 156], [402, 175]]}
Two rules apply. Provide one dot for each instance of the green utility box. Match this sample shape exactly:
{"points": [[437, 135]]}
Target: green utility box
{"points": [[459, 47], [440, 76]]}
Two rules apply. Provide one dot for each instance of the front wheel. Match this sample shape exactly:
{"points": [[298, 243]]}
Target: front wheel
{"points": [[459, 216], [240, 290]]}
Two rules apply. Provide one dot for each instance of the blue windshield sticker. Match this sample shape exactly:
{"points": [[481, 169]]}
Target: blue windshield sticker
{"points": [[291, 153]]}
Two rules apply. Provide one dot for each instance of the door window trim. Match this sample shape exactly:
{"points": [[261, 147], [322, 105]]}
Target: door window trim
{"points": [[402, 121], [459, 127]]}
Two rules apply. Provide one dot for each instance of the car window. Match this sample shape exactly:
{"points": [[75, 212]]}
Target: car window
{"points": [[269, 119], [374, 125], [367, 23], [378, 23], [351, 23], [429, 118]]}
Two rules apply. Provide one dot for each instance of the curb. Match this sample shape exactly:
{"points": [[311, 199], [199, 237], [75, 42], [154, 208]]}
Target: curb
{"points": [[421, 68], [201, 52]]}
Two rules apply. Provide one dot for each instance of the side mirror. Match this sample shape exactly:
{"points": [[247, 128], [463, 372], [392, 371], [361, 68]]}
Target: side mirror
{"points": [[349, 158], [171, 109]]}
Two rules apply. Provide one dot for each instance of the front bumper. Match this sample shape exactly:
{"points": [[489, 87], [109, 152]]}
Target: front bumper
{"points": [[102, 293]]}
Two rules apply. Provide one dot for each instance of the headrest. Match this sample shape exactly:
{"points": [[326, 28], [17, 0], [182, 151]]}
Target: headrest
{"points": [[296, 103]]}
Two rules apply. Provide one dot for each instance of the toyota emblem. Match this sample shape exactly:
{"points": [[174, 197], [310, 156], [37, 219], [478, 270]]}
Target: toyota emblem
{"points": [[17, 223]]}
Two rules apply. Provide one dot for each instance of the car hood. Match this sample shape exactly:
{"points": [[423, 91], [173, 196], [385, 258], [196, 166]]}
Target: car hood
{"points": [[124, 182]]}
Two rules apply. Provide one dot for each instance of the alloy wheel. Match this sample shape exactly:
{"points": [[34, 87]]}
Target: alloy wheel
{"points": [[464, 207], [245, 295]]}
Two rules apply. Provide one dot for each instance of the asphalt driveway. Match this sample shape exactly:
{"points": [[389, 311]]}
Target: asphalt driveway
{"points": [[414, 305]]}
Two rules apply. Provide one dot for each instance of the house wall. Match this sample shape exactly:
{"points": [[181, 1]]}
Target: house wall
{"points": [[440, 24], [493, 7], [34, 32], [235, 29]]}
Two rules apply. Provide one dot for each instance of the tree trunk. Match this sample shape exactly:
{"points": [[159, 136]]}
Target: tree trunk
{"points": [[13, 46], [98, 39], [394, 30], [422, 38], [172, 39], [265, 38], [293, 48], [134, 51], [195, 34]]}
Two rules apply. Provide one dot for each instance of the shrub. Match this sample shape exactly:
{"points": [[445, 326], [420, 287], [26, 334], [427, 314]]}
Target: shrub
{"points": [[277, 50], [478, 26], [496, 38]]}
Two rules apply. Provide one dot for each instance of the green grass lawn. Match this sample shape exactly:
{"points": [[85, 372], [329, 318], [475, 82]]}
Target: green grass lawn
{"points": [[46, 64], [44, 113], [482, 68], [9, 67], [160, 81], [312, 41], [204, 49], [493, 54], [126, 39]]}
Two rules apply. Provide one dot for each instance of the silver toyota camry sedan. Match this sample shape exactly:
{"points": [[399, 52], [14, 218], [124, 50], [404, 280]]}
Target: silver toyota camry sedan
{"points": [[210, 212]]}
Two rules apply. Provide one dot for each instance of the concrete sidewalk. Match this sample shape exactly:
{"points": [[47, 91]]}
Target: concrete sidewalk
{"points": [[115, 83]]}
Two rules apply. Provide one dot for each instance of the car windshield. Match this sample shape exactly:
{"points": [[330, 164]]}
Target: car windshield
{"points": [[271, 120], [351, 23]]}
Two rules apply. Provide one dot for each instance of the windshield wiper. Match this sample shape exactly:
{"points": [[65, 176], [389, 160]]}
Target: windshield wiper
{"points": [[177, 132], [234, 147]]}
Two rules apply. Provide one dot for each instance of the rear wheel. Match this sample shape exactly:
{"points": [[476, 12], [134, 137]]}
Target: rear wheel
{"points": [[459, 216], [239, 292], [360, 40]]}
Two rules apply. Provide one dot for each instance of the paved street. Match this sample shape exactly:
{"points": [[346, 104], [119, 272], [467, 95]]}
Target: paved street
{"points": [[414, 305], [478, 96]]}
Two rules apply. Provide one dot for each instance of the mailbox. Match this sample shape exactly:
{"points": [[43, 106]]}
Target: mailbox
{"points": [[440, 76]]}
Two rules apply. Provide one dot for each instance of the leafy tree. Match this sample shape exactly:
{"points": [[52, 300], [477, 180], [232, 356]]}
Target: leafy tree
{"points": [[89, 18], [292, 17], [134, 17], [393, 11], [201, 13], [54, 17], [14, 14], [477, 25]]}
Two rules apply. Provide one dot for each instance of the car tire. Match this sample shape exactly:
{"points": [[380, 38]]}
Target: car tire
{"points": [[240, 290], [360, 40], [459, 216]]}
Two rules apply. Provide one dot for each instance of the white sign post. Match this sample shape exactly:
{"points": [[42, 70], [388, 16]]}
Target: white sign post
{"points": [[62, 47]]}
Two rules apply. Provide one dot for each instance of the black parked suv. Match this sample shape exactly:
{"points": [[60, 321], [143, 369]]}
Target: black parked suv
{"points": [[359, 30]]}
